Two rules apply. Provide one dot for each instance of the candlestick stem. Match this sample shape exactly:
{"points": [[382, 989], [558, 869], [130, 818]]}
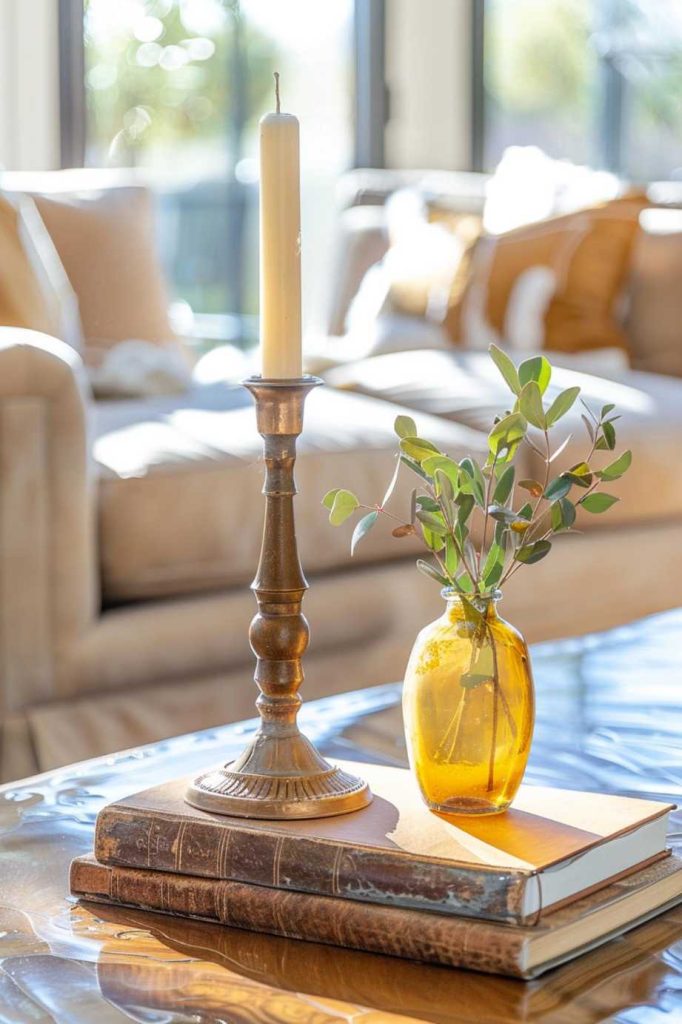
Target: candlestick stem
{"points": [[280, 774]]}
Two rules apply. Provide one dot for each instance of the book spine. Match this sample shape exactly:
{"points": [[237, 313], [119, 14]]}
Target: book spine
{"points": [[213, 850], [410, 934]]}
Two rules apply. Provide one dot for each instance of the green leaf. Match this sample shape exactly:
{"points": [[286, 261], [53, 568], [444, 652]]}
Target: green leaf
{"points": [[555, 516], [565, 514], [503, 515], [558, 488], [506, 368], [507, 434], [465, 584], [530, 553], [494, 566], [361, 530], [417, 448], [540, 526], [589, 412], [413, 506], [433, 540], [538, 369], [414, 466], [502, 536], [609, 432], [606, 409], [597, 502], [588, 426], [434, 522], [561, 404], [431, 571], [405, 426], [471, 480], [443, 486], [446, 465], [526, 511], [616, 469], [580, 474], [470, 551], [607, 441], [427, 504], [533, 486], [328, 499], [465, 504], [451, 557], [504, 486], [530, 404], [344, 505], [391, 487], [471, 467]]}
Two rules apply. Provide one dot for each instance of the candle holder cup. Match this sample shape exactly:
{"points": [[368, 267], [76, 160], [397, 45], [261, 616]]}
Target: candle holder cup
{"points": [[280, 774]]}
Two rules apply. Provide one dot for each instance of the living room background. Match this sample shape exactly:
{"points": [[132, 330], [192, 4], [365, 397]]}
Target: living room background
{"points": [[578, 78]]}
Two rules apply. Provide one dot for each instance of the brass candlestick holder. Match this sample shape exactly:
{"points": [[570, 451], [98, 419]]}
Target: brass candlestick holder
{"points": [[280, 774]]}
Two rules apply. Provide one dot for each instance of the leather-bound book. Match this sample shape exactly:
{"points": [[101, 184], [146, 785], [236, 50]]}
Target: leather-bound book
{"points": [[552, 846], [523, 952]]}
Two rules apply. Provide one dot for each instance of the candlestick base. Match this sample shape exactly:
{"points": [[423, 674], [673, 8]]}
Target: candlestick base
{"points": [[280, 774], [271, 781]]}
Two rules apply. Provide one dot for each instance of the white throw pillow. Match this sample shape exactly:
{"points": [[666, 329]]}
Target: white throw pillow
{"points": [[140, 369]]}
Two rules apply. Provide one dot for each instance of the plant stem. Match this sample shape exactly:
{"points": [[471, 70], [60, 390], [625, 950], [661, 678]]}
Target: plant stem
{"points": [[486, 517], [493, 742]]}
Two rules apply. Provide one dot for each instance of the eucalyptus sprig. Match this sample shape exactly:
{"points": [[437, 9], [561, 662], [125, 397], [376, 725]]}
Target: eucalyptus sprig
{"points": [[517, 519]]}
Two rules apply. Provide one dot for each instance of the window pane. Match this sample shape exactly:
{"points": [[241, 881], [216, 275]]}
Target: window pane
{"points": [[539, 75], [177, 87], [644, 45], [595, 81]]}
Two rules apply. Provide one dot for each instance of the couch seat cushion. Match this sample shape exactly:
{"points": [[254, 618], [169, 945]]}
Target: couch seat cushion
{"points": [[180, 478], [466, 387]]}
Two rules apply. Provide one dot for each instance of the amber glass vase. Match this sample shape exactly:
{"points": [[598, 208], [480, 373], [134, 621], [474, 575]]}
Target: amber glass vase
{"points": [[469, 708]]}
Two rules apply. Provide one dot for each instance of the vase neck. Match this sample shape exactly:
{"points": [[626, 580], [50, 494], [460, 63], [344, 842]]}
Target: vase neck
{"points": [[486, 605]]}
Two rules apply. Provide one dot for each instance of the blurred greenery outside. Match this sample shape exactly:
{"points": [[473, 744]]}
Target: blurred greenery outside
{"points": [[177, 87], [544, 74]]}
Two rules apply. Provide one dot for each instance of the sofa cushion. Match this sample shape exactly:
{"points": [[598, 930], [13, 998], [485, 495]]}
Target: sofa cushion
{"points": [[586, 258], [654, 320], [22, 300], [105, 239], [467, 388], [180, 505]]}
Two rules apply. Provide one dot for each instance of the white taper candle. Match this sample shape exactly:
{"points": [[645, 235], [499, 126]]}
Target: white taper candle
{"points": [[280, 244]]}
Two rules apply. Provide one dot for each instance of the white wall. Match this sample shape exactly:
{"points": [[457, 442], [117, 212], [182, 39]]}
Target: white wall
{"points": [[29, 85], [428, 71]]}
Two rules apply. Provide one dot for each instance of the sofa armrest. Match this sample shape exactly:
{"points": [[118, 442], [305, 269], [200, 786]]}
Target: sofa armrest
{"points": [[48, 582]]}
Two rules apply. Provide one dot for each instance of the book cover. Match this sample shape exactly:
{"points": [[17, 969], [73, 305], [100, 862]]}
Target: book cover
{"points": [[396, 851], [524, 952]]}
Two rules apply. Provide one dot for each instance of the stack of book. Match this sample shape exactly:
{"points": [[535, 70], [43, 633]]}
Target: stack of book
{"points": [[514, 894]]}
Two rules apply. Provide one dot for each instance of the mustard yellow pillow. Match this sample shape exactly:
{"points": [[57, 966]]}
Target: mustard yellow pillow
{"points": [[589, 255]]}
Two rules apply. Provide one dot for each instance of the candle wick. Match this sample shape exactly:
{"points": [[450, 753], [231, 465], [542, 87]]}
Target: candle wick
{"points": [[277, 91]]}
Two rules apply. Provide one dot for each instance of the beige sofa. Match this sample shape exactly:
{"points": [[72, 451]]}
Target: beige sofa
{"points": [[129, 534]]}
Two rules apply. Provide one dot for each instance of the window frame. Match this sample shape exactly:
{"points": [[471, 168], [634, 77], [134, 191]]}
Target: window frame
{"points": [[72, 110]]}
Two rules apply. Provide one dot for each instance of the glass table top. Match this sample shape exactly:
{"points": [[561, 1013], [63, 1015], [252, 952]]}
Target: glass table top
{"points": [[609, 718]]}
